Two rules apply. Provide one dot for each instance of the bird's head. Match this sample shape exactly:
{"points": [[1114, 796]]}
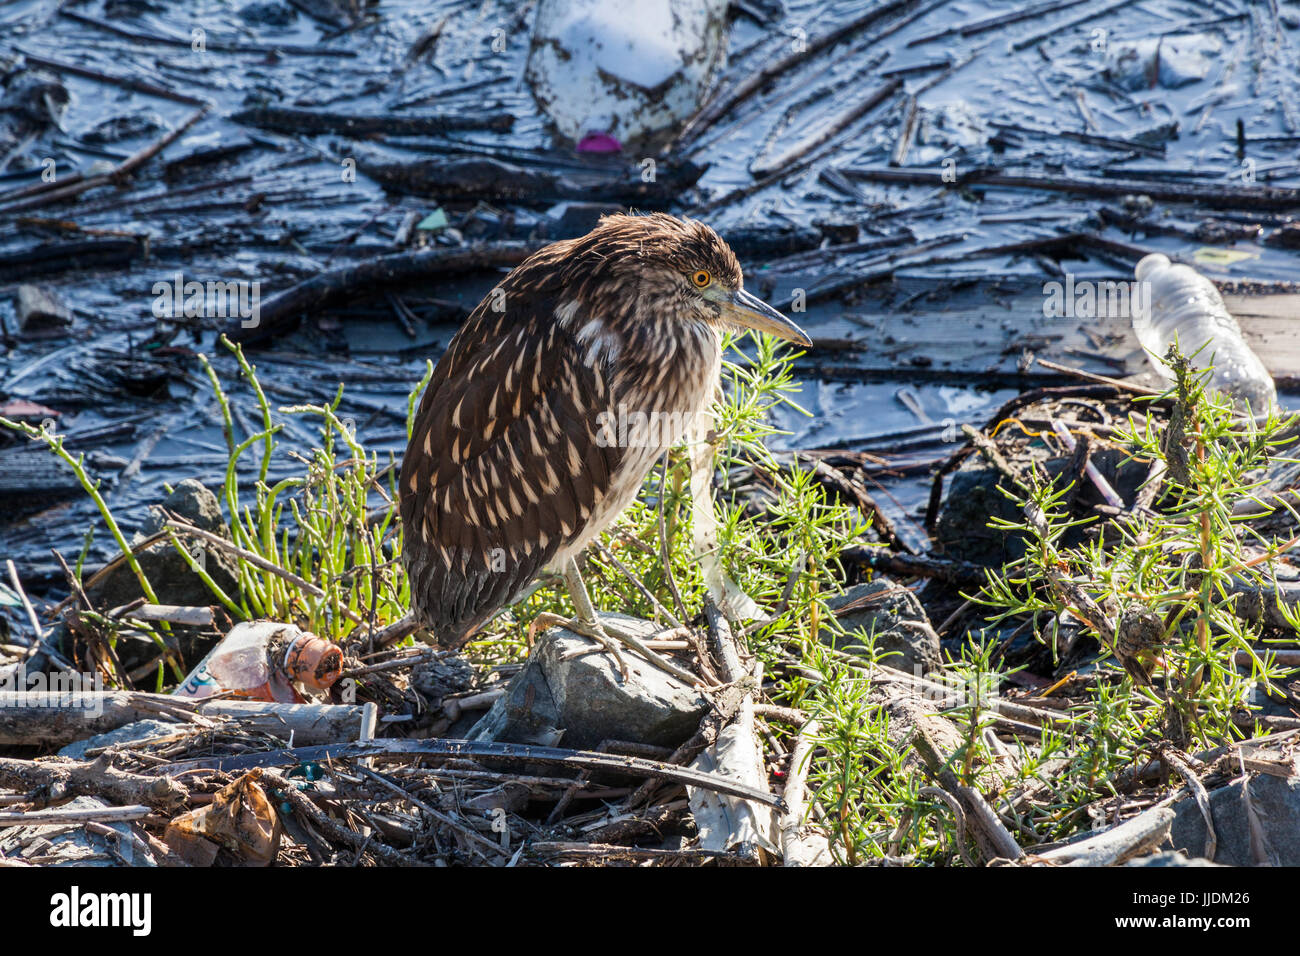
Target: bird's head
{"points": [[663, 268]]}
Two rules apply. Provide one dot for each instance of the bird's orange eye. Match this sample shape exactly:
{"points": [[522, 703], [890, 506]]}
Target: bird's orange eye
{"points": [[701, 278]]}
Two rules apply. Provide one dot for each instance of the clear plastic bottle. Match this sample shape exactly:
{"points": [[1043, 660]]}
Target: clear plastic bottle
{"points": [[263, 660], [1176, 301]]}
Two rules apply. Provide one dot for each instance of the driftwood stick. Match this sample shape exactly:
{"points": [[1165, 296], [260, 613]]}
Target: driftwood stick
{"points": [[726, 103], [214, 44], [1110, 847], [795, 847], [610, 851], [284, 119], [245, 555], [992, 837], [282, 311], [141, 840], [172, 613], [432, 812], [56, 780], [56, 719], [330, 827], [113, 79], [1208, 194], [42, 638], [67, 815], [475, 749], [959, 816], [1179, 763], [123, 169]]}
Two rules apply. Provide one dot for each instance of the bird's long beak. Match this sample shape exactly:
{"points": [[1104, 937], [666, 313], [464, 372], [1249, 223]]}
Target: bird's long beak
{"points": [[751, 312]]}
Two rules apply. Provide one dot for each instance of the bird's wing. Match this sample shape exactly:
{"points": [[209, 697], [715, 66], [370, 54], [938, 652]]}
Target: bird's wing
{"points": [[506, 463]]}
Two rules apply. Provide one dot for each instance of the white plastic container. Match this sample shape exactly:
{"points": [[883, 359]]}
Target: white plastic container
{"points": [[1178, 302]]}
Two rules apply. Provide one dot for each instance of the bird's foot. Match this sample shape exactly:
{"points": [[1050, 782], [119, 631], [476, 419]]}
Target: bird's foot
{"points": [[608, 629], [601, 634]]}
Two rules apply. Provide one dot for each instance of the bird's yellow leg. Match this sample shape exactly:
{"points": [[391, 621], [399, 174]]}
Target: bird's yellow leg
{"points": [[587, 623], [590, 625]]}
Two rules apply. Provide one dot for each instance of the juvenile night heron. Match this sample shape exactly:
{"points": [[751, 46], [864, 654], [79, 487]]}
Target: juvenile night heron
{"points": [[516, 462]]}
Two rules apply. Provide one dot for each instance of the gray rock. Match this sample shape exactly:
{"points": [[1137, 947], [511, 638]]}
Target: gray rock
{"points": [[40, 310], [1277, 805], [268, 14], [579, 218], [974, 498], [192, 503], [577, 702], [624, 68], [127, 733], [1169, 858], [893, 614]]}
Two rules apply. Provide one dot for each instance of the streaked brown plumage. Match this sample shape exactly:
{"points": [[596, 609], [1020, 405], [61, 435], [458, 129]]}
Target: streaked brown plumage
{"points": [[513, 465]]}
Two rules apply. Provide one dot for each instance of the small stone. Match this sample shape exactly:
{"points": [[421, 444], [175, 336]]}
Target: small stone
{"points": [[41, 311], [192, 503], [904, 638], [268, 14], [129, 126], [579, 218]]}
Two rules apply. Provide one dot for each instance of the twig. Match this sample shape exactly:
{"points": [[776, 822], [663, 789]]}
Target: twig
{"points": [[60, 779], [663, 540], [958, 814], [68, 815], [1177, 761], [256, 560], [282, 311], [433, 812], [42, 641], [122, 170], [1145, 831], [217, 46], [612, 851], [513, 753], [302, 804], [1099, 379], [796, 791], [636, 583], [126, 82]]}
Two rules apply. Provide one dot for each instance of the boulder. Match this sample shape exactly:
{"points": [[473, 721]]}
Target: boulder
{"points": [[564, 697], [1276, 802], [903, 635]]}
